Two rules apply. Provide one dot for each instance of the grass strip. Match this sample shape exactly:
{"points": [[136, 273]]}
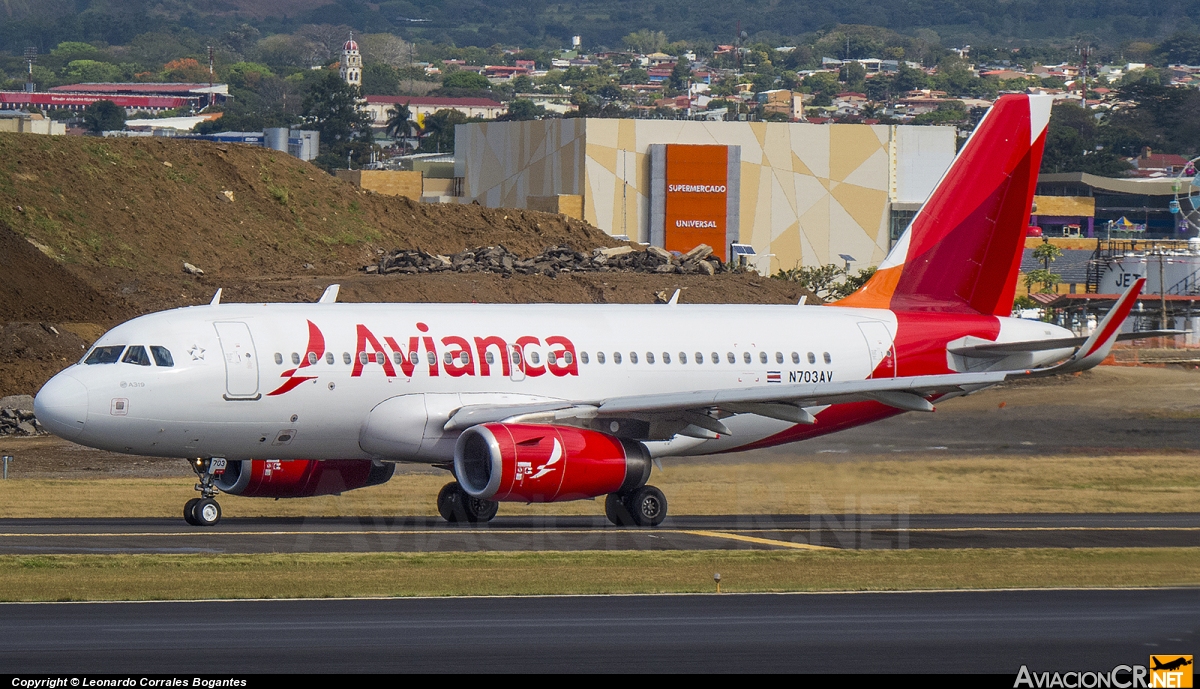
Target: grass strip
{"points": [[1121, 483], [320, 575]]}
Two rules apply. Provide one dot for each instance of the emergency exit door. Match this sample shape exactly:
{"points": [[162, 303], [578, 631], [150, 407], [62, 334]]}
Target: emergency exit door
{"points": [[241, 361]]}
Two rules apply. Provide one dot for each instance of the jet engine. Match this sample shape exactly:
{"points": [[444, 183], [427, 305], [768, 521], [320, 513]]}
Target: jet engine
{"points": [[300, 478], [540, 463]]}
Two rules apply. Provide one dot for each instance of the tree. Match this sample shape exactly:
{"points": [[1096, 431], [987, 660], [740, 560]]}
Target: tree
{"points": [[854, 75], [463, 79], [379, 79], [400, 124], [1042, 277], [522, 109], [681, 74], [645, 41], [93, 72], [104, 116], [332, 106], [384, 48], [186, 70], [1072, 141], [1047, 253], [439, 130]]}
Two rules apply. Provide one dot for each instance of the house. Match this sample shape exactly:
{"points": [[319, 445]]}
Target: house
{"points": [[420, 106], [1149, 163]]}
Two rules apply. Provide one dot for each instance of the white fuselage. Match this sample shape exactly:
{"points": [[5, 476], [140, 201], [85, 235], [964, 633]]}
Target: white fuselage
{"points": [[235, 391]]}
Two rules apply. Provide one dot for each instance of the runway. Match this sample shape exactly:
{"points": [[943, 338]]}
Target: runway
{"points": [[766, 532], [969, 631]]}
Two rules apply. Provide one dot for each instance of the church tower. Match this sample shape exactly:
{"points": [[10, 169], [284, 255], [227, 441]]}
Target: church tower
{"points": [[351, 65]]}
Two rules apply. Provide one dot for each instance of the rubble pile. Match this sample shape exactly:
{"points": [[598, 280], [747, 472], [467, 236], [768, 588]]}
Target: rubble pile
{"points": [[552, 261], [16, 416]]}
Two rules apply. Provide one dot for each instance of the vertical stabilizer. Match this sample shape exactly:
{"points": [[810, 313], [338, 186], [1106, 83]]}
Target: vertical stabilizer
{"points": [[962, 251]]}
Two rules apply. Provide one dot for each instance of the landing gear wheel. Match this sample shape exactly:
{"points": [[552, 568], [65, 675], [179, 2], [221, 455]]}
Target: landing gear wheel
{"points": [[616, 511], [206, 512], [187, 512], [456, 506], [479, 510], [647, 506]]}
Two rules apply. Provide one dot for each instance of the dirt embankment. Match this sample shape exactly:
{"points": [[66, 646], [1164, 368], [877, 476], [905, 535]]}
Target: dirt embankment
{"points": [[95, 231]]}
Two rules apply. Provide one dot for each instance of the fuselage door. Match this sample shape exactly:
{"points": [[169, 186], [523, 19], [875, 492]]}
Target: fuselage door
{"points": [[241, 361], [879, 343], [516, 360]]}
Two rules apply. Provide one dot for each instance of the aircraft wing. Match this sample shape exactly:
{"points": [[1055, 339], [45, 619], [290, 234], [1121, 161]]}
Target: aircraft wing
{"points": [[698, 412]]}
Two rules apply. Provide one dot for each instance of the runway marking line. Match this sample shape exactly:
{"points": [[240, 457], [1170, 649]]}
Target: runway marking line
{"points": [[760, 541], [684, 532], [678, 532]]}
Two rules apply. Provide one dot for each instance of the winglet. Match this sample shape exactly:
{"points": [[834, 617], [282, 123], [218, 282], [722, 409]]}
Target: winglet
{"points": [[674, 299], [216, 298], [330, 295], [1097, 347]]}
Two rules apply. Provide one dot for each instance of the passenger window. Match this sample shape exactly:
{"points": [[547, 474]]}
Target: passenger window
{"points": [[463, 357], [447, 358], [795, 357], [683, 357], [396, 358], [362, 358], [162, 356], [567, 358], [136, 355], [551, 358], [535, 357], [380, 357], [329, 358], [600, 357], [762, 357], [295, 359], [616, 357], [649, 357], [431, 358], [812, 358], [746, 357], [278, 358], [779, 357], [716, 359], [583, 356], [488, 357], [413, 358], [633, 357], [828, 359], [346, 358], [666, 357], [516, 358], [732, 359], [105, 355], [312, 358]]}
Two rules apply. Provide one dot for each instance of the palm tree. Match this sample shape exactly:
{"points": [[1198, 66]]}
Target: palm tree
{"points": [[399, 123]]}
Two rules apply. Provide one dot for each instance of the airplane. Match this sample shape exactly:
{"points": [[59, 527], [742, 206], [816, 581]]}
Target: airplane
{"points": [[550, 402]]}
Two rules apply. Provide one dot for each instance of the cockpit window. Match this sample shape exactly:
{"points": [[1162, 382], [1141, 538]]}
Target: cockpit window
{"points": [[105, 355], [136, 355], [162, 356]]}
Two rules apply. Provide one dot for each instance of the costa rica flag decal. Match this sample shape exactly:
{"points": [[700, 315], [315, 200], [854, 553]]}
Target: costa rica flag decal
{"points": [[774, 377]]}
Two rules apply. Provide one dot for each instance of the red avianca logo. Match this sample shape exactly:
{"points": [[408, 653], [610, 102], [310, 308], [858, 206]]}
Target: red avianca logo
{"points": [[458, 356]]}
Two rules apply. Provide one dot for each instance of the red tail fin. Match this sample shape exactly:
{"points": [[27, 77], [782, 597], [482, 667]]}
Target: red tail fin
{"points": [[963, 249]]}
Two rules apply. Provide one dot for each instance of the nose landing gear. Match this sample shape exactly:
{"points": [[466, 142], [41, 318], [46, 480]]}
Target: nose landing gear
{"points": [[204, 510]]}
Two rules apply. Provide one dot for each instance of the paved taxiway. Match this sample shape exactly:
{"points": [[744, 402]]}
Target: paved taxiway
{"points": [[263, 535], [965, 631]]}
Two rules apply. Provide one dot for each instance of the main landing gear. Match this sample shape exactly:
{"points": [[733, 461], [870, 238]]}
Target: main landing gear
{"points": [[204, 510], [456, 506], [645, 506]]}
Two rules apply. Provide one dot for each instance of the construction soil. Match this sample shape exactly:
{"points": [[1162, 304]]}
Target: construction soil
{"points": [[96, 231]]}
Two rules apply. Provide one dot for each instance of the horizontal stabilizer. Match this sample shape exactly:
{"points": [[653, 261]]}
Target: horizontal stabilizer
{"points": [[1003, 349]]}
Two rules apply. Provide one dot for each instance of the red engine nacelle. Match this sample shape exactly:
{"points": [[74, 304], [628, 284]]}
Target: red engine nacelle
{"points": [[535, 463], [300, 478]]}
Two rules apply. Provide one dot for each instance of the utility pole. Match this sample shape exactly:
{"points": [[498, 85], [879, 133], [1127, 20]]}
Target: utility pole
{"points": [[1084, 52], [1162, 289], [30, 58]]}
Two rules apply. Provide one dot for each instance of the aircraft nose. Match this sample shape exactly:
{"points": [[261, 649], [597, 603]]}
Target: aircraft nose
{"points": [[61, 406]]}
